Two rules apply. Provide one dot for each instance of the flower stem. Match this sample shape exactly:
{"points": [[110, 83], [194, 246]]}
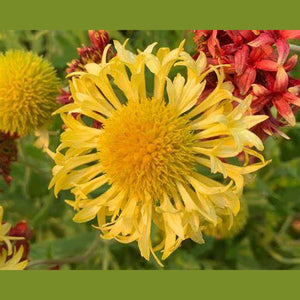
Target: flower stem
{"points": [[295, 48], [282, 259], [67, 260]]}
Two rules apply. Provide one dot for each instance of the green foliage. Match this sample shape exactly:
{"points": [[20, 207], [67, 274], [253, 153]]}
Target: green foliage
{"points": [[268, 241]]}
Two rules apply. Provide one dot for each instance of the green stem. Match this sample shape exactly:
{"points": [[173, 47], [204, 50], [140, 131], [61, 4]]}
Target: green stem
{"points": [[282, 259], [68, 260], [106, 256], [295, 48], [43, 211]]}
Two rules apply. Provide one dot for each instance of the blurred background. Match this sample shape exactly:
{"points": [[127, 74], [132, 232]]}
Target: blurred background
{"points": [[270, 240]]}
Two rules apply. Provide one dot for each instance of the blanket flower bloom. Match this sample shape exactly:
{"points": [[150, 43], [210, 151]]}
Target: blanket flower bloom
{"points": [[158, 162], [28, 90], [12, 254], [258, 66]]}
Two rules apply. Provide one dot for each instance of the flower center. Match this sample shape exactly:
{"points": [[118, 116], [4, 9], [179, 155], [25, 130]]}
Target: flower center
{"points": [[146, 147]]}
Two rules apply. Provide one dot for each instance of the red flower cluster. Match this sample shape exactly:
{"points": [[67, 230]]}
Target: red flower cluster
{"points": [[258, 65], [8, 154], [20, 230], [87, 54], [91, 53]]}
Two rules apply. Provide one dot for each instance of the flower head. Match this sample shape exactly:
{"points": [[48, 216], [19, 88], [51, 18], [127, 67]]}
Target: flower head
{"points": [[159, 159], [88, 54], [14, 245], [28, 90], [258, 64]]}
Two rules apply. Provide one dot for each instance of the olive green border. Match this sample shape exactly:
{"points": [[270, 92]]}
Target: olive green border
{"points": [[153, 14], [150, 284]]}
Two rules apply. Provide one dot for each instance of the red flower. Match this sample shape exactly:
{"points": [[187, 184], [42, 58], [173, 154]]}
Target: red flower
{"points": [[271, 64], [207, 38], [246, 63], [88, 54], [20, 230], [276, 91], [64, 97], [8, 154], [270, 37], [99, 39], [258, 65]]}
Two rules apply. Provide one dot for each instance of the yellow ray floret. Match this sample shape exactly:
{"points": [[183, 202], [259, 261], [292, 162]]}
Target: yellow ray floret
{"points": [[13, 262], [28, 90], [161, 159], [229, 226], [10, 258]]}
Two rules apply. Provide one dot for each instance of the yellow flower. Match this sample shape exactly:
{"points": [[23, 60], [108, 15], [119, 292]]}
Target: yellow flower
{"points": [[10, 258], [13, 262], [229, 226], [153, 162], [28, 89], [4, 230]]}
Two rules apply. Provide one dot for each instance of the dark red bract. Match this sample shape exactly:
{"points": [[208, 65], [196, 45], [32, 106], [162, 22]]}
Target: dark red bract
{"points": [[92, 53], [8, 154]]}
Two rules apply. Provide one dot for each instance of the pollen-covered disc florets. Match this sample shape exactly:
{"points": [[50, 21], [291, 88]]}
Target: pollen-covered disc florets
{"points": [[152, 145], [154, 160], [28, 90]]}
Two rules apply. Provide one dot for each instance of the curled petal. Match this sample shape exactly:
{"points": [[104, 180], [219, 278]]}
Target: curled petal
{"points": [[240, 59], [290, 34], [262, 39], [213, 42], [291, 63], [267, 65], [295, 90], [291, 98], [248, 35], [283, 49], [282, 80], [260, 90], [245, 80], [285, 111]]}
